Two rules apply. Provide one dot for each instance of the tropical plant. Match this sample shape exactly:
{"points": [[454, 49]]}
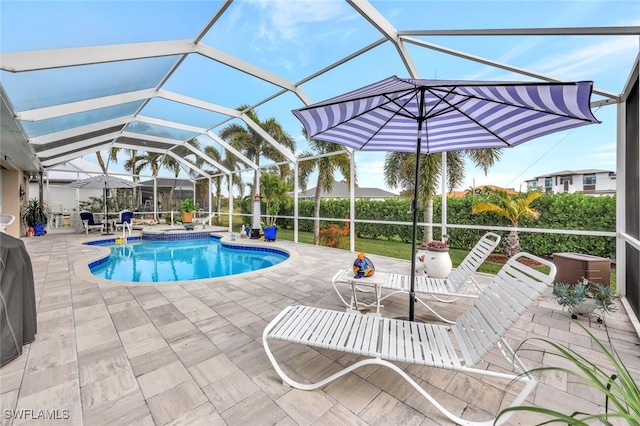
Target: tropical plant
{"points": [[573, 296], [231, 162], [399, 171], [327, 166], [188, 205], [254, 146], [513, 207], [175, 166], [34, 212], [619, 389], [274, 192]]}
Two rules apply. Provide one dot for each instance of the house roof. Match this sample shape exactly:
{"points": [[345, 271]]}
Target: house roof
{"points": [[572, 173], [180, 184], [480, 188], [341, 190]]}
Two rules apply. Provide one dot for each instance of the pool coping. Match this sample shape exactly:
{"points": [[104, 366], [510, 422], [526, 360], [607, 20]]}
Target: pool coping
{"points": [[82, 271]]}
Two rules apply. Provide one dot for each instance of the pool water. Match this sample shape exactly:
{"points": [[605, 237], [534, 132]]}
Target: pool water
{"points": [[159, 261]]}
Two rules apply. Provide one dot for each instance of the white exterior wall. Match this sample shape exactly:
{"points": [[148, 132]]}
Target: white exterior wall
{"points": [[604, 182], [64, 195]]}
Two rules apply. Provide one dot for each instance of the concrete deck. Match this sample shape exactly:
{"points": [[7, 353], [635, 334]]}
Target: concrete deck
{"points": [[191, 352]]}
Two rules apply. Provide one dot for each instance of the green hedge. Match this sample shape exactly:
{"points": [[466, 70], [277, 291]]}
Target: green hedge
{"points": [[557, 211]]}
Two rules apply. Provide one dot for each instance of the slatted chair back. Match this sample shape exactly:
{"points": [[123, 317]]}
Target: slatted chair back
{"points": [[511, 292], [126, 216], [88, 216], [459, 277]]}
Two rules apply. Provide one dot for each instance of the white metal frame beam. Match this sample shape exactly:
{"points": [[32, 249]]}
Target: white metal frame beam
{"points": [[80, 130], [376, 19]]}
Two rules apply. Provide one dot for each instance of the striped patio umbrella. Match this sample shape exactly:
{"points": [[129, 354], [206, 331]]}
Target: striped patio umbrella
{"points": [[430, 116]]}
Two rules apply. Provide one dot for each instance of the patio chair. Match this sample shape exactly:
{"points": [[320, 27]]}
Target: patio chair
{"points": [[125, 221], [446, 290], [88, 224], [6, 220], [461, 347]]}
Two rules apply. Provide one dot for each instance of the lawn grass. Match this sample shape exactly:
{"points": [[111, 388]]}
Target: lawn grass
{"points": [[395, 249]]}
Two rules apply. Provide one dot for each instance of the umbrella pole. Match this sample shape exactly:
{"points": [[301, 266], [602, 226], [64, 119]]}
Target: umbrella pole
{"points": [[414, 211], [106, 209], [414, 231]]}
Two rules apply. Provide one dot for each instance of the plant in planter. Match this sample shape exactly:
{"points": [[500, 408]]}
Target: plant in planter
{"points": [[437, 262], [35, 216], [274, 192], [187, 207], [585, 298]]}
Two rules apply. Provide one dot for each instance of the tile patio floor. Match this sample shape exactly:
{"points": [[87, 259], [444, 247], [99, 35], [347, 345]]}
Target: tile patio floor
{"points": [[191, 353]]}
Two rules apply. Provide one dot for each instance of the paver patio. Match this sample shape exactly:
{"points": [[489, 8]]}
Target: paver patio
{"points": [[191, 352]]}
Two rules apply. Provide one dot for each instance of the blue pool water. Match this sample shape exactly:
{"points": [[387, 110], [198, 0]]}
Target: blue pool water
{"points": [[157, 261]]}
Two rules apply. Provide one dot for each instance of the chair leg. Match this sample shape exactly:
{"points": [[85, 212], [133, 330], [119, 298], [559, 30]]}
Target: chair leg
{"points": [[529, 384]]}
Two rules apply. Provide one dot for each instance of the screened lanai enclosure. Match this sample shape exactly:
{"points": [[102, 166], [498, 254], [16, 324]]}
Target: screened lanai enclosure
{"points": [[161, 81]]}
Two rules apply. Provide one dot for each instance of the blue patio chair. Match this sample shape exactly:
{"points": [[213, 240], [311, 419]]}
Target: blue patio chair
{"points": [[88, 224], [126, 221]]}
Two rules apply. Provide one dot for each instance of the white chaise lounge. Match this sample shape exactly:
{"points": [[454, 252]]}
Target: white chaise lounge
{"points": [[461, 347], [442, 289]]}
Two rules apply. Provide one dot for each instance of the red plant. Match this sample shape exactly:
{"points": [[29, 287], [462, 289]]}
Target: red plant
{"points": [[436, 244], [333, 236]]}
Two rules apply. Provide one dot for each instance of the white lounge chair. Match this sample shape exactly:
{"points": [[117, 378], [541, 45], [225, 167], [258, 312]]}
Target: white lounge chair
{"points": [[461, 347], [442, 289]]}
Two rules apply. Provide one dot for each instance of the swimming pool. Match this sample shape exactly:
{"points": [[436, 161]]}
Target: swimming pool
{"points": [[162, 261]]}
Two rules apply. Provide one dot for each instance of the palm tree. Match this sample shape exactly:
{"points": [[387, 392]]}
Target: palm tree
{"points": [[172, 164], [113, 156], [248, 141], [231, 162], [153, 160], [274, 191], [514, 208], [327, 166], [399, 171]]}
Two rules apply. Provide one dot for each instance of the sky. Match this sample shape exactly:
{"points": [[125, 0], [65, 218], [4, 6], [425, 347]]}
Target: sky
{"points": [[295, 39]]}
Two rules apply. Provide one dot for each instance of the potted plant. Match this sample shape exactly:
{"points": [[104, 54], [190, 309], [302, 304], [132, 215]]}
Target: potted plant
{"points": [[585, 298], [187, 207], [437, 262], [35, 216]]}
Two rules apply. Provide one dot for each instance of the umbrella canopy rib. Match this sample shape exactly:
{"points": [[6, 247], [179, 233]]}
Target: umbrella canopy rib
{"points": [[460, 115], [428, 116]]}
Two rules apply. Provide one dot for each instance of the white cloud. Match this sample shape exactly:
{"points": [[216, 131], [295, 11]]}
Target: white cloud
{"points": [[287, 17]]}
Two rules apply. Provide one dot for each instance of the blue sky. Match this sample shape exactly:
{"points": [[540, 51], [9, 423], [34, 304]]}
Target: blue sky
{"points": [[295, 39]]}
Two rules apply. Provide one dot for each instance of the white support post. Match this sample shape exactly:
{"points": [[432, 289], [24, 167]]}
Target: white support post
{"points": [[352, 202]]}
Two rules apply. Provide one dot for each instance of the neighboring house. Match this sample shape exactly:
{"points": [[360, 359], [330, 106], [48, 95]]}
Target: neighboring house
{"points": [[182, 188], [590, 181], [56, 190], [341, 191]]}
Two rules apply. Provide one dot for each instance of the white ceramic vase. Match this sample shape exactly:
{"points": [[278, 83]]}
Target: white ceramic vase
{"points": [[437, 263]]}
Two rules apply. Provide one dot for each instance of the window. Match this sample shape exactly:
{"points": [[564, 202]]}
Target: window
{"points": [[565, 179], [548, 182], [589, 180], [534, 185]]}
